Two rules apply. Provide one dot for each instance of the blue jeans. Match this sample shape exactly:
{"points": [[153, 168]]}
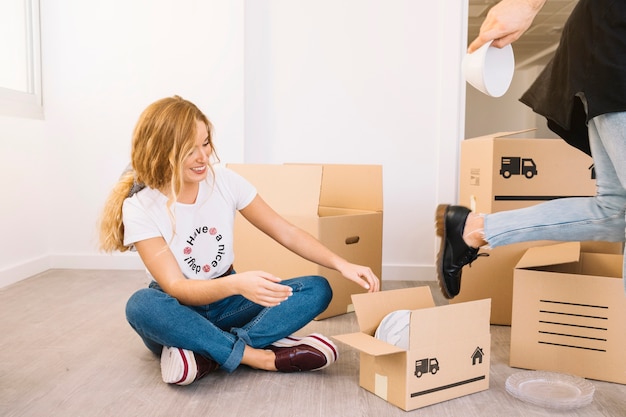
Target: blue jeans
{"points": [[221, 330], [598, 218]]}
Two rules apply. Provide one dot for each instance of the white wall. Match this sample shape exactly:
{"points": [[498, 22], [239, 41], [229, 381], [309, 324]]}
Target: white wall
{"points": [[103, 63], [25, 169], [323, 81], [374, 82]]}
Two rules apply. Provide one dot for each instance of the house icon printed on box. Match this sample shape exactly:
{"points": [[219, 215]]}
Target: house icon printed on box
{"points": [[477, 356]]}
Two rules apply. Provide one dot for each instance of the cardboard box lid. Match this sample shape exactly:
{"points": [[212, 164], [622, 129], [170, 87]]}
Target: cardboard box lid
{"points": [[558, 254], [301, 189]]}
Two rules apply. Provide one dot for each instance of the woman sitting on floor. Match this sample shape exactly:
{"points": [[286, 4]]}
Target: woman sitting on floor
{"points": [[177, 210]]}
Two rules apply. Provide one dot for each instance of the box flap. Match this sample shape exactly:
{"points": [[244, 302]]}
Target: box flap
{"points": [[371, 308], [561, 253], [288, 189], [301, 189], [503, 134], [449, 323], [352, 186], [513, 133], [368, 344]]}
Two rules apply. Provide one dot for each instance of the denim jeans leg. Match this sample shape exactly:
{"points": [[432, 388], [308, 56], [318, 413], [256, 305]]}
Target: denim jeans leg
{"points": [[160, 320], [611, 128], [578, 218], [311, 296], [222, 330]]}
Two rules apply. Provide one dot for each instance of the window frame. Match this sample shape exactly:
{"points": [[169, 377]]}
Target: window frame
{"points": [[29, 103]]}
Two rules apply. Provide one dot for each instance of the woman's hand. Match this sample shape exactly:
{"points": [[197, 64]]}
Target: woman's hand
{"points": [[362, 275], [506, 22], [261, 287]]}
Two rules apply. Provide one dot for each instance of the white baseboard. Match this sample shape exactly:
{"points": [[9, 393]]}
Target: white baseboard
{"points": [[25, 270], [132, 261], [16, 273]]}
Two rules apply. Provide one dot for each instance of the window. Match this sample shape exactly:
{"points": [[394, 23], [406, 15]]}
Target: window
{"points": [[20, 55]]}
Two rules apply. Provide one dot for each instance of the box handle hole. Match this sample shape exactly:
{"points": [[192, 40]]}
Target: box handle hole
{"points": [[351, 240]]}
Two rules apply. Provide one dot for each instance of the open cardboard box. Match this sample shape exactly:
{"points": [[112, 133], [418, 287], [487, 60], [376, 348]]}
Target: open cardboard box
{"points": [[340, 205], [510, 170], [449, 348], [492, 276], [569, 313]]}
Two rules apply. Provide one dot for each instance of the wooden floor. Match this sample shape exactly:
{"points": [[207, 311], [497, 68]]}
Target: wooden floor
{"points": [[66, 350]]}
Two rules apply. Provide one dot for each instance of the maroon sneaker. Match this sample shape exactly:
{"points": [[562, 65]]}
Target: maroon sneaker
{"points": [[182, 367], [309, 353]]}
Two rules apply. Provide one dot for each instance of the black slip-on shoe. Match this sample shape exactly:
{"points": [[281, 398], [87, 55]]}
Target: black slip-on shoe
{"points": [[454, 253]]}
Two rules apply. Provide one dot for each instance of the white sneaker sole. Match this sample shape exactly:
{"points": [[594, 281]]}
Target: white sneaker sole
{"points": [[178, 366], [316, 340]]}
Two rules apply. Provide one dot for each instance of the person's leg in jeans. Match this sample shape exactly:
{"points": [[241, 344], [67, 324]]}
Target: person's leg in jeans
{"points": [[576, 219], [598, 218], [221, 330]]}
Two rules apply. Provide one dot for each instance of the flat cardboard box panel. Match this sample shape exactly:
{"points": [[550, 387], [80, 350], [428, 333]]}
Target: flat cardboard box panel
{"points": [[569, 314], [341, 205], [442, 362], [561, 171]]}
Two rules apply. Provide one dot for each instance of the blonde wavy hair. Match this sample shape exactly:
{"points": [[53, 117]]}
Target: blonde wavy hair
{"points": [[163, 137]]}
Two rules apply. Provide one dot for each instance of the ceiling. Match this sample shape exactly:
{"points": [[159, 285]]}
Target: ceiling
{"points": [[537, 45]]}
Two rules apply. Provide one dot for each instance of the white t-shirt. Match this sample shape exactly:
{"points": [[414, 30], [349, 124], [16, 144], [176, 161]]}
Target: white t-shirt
{"points": [[203, 242]]}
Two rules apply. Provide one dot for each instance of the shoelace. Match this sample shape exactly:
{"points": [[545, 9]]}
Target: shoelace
{"points": [[470, 256]]}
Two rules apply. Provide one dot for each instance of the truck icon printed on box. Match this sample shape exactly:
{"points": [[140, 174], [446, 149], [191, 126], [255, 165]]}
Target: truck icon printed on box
{"points": [[426, 365], [516, 165]]}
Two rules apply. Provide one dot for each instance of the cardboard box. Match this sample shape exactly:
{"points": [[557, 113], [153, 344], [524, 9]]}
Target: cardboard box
{"points": [[341, 205], [569, 313], [449, 348], [506, 171], [492, 276]]}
